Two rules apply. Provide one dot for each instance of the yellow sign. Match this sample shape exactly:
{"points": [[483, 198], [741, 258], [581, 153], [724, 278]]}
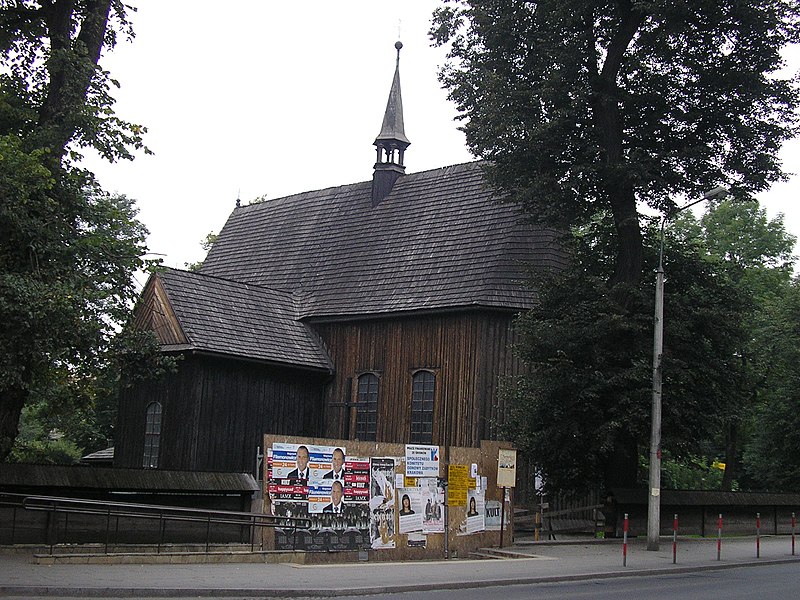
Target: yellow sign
{"points": [[457, 485], [410, 482]]}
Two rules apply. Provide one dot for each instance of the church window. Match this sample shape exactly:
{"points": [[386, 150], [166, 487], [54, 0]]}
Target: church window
{"points": [[367, 407], [423, 388], [152, 435]]}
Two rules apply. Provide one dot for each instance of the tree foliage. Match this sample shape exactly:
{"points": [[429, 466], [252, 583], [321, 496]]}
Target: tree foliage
{"points": [[754, 255], [772, 450], [589, 390], [585, 106], [68, 250], [586, 110]]}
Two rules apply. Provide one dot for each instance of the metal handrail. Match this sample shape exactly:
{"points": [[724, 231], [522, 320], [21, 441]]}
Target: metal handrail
{"points": [[109, 509]]}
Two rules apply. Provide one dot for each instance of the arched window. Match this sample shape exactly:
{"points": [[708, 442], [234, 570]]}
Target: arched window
{"points": [[367, 407], [423, 388], [152, 435]]}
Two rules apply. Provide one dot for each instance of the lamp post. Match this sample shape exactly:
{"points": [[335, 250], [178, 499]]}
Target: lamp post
{"points": [[654, 497]]}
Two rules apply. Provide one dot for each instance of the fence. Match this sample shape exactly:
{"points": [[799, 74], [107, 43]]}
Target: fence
{"points": [[69, 520]]}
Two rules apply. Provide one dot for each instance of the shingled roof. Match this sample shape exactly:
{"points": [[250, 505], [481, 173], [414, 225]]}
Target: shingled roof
{"points": [[241, 320], [440, 240]]}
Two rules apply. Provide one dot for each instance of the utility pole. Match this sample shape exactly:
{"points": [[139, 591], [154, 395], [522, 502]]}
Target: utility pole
{"points": [[654, 496]]}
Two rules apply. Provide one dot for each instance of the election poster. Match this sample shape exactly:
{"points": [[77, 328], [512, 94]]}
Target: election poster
{"points": [[432, 498], [381, 503], [320, 484], [476, 515], [409, 510], [422, 461]]}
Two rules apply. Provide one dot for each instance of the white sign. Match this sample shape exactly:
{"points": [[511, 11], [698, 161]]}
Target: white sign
{"points": [[507, 468], [422, 461]]}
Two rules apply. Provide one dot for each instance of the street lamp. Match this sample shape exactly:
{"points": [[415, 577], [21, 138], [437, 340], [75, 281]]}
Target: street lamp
{"points": [[654, 498]]}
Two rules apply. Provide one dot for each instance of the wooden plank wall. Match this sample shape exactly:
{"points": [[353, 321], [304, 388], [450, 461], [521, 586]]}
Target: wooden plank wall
{"points": [[214, 413], [153, 312], [469, 353], [485, 455]]}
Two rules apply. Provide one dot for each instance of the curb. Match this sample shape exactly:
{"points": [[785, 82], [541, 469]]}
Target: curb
{"points": [[127, 592]]}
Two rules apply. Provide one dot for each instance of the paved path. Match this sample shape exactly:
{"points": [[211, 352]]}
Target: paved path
{"points": [[542, 562]]}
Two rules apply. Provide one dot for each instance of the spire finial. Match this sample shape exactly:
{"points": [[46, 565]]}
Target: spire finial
{"points": [[238, 198], [391, 142]]}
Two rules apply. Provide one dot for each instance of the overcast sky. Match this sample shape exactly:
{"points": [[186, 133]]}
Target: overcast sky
{"points": [[257, 98]]}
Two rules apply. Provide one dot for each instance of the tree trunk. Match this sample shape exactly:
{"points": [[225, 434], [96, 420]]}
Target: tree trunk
{"points": [[731, 454], [71, 68], [608, 125], [11, 402], [622, 465]]}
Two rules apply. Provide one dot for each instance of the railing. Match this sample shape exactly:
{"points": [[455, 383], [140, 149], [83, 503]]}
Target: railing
{"points": [[114, 511]]}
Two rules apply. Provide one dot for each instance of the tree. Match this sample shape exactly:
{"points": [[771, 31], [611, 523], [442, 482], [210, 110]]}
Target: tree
{"points": [[68, 250], [205, 244], [755, 255], [585, 106], [588, 391], [588, 108], [772, 452]]}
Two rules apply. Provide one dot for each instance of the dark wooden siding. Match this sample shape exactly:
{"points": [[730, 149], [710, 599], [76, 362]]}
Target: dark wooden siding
{"points": [[215, 413], [469, 353]]}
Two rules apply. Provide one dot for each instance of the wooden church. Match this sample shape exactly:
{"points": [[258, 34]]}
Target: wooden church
{"points": [[381, 310]]}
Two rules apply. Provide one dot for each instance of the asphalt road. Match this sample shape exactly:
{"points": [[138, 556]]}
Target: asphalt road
{"points": [[768, 582]]}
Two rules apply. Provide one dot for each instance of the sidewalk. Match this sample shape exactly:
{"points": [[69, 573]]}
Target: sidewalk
{"points": [[539, 562]]}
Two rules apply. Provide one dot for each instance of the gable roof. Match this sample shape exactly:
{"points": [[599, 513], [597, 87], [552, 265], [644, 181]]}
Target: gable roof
{"points": [[440, 240], [235, 319]]}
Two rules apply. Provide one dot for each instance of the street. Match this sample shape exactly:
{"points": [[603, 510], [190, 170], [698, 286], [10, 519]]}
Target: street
{"points": [[768, 582]]}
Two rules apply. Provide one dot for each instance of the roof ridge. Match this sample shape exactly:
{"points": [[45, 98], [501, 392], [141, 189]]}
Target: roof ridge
{"points": [[330, 189]]}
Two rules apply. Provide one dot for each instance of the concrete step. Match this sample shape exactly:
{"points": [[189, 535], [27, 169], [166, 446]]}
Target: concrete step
{"points": [[502, 553], [480, 554]]}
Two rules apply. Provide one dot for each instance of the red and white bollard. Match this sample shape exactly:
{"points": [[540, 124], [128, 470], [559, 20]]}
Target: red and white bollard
{"points": [[719, 537], [625, 541], [758, 535], [674, 539], [794, 524]]}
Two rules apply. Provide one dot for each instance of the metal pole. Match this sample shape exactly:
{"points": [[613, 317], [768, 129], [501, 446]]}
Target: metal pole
{"points": [[794, 524], [625, 541], [674, 539], [14, 525], [719, 537], [654, 498], [502, 514], [108, 529], [758, 535]]}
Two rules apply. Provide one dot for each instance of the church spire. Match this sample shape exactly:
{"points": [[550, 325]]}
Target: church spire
{"points": [[391, 142]]}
